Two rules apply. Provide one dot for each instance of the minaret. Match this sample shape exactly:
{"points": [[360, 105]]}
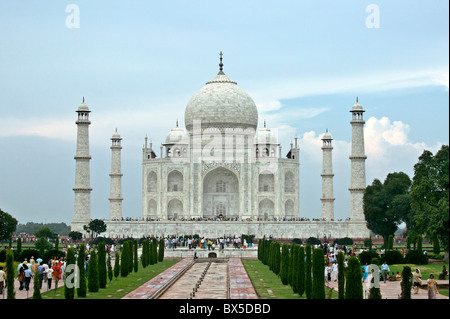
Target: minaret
{"points": [[82, 189], [358, 162], [115, 197], [327, 178]]}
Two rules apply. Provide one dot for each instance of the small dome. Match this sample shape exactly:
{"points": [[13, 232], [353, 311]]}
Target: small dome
{"points": [[116, 136], [83, 107], [265, 136], [357, 107], [177, 136], [327, 136]]}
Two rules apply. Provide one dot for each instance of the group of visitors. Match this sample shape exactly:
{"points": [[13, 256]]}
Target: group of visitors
{"points": [[53, 269], [172, 242]]}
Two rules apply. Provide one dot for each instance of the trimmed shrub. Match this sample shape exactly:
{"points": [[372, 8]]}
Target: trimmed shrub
{"points": [[102, 272], [284, 267], [293, 267], [161, 250], [124, 267], [81, 290], [318, 289], [36, 287], [346, 241], [69, 289], [406, 283], [353, 282], [116, 264], [110, 271], [10, 294], [416, 257], [93, 272], [308, 268], [313, 241], [392, 257], [341, 275], [135, 254], [301, 270], [367, 256]]}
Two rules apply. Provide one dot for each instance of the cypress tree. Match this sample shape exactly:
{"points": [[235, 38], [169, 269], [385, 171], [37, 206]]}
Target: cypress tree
{"points": [[124, 267], [341, 275], [116, 264], [318, 289], [130, 256], [390, 242], [36, 287], [102, 275], [110, 271], [69, 287], [295, 267], [284, 267], [93, 273], [308, 266], [135, 254], [56, 242], [10, 294], [144, 253], [291, 265], [155, 250], [19, 245], [161, 250], [301, 271], [436, 246], [81, 290], [353, 280], [406, 283]]}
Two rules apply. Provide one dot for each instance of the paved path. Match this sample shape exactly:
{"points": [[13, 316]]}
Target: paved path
{"points": [[392, 290], [23, 294], [240, 284]]}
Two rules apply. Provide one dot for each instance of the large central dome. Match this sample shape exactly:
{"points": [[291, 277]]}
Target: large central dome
{"points": [[221, 103]]}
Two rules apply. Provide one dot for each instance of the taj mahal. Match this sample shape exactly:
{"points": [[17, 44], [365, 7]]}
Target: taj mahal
{"points": [[222, 175]]}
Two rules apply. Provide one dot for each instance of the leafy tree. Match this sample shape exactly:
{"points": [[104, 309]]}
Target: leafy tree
{"points": [[318, 289], [8, 225], [10, 294], [284, 268], [308, 268], [353, 282], [81, 260], [95, 227], [75, 235], [44, 232], [69, 290], [93, 284], [430, 195], [102, 271], [381, 215]]}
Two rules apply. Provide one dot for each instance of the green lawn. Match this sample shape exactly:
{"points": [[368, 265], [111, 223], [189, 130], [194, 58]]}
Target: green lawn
{"points": [[118, 288], [268, 285]]}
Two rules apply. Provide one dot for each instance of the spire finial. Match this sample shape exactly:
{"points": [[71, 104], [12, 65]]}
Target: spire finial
{"points": [[264, 123], [356, 99], [83, 99], [177, 122], [221, 64]]}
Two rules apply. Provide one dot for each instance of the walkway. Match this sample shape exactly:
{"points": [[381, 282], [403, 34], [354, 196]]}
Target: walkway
{"points": [[392, 290]]}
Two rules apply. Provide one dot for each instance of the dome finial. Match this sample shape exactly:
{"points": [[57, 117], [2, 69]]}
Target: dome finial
{"points": [[221, 64], [177, 122], [264, 123], [83, 99], [356, 99]]}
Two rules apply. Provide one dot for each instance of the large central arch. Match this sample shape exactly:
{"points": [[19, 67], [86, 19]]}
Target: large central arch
{"points": [[220, 194]]}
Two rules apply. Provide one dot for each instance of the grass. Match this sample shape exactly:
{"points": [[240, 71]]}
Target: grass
{"points": [[268, 285], [118, 288]]}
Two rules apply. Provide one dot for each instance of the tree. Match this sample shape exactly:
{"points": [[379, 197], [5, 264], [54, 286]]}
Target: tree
{"points": [[10, 294], [69, 288], [95, 227], [124, 267], [284, 268], [102, 271], [45, 232], [8, 225], [81, 260], [75, 235], [135, 255], [430, 195], [116, 264], [161, 250], [19, 245], [300, 270], [93, 273], [318, 289], [341, 275], [353, 282], [110, 271], [308, 267], [36, 286], [406, 283], [381, 214], [154, 250]]}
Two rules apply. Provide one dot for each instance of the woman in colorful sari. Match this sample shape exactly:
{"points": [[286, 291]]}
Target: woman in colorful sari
{"points": [[432, 287]]}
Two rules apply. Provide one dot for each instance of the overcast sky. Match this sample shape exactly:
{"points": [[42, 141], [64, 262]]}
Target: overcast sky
{"points": [[137, 63]]}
